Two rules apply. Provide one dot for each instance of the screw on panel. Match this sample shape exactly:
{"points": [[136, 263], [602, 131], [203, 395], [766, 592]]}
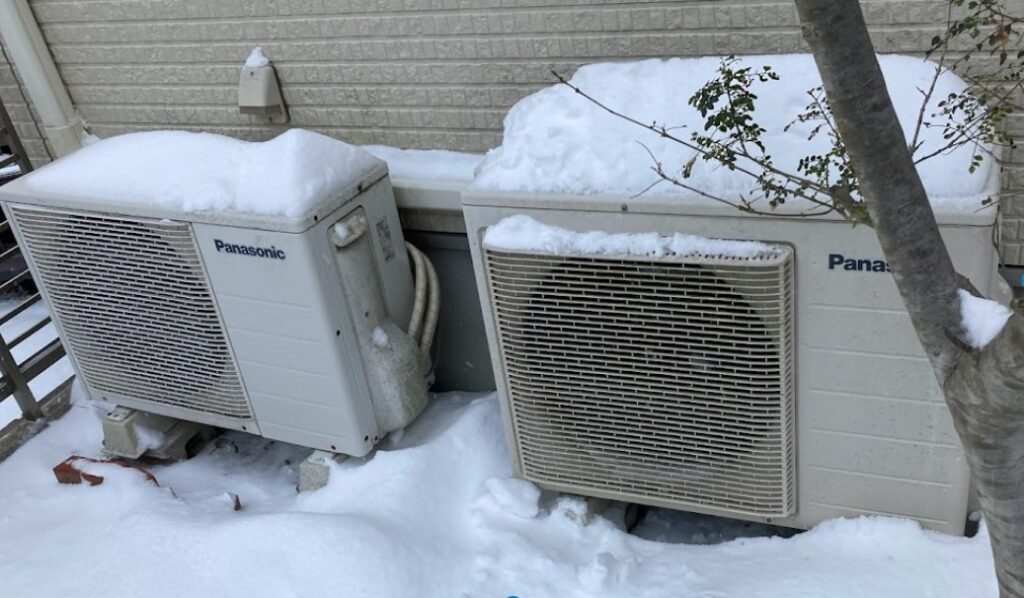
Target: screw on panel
{"points": [[624, 208], [337, 333]]}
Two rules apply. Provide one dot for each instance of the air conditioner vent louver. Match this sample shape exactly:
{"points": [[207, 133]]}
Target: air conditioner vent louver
{"points": [[136, 309], [657, 380]]}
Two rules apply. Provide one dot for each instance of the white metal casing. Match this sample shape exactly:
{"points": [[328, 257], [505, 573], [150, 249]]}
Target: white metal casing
{"points": [[873, 434], [291, 336]]}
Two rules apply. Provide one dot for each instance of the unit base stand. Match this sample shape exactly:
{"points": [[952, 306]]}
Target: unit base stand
{"points": [[131, 434], [315, 470]]}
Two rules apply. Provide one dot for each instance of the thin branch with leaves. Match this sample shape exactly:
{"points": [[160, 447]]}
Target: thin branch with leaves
{"points": [[731, 137]]}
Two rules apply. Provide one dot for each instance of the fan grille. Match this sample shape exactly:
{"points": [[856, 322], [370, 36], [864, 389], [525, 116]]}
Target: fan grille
{"points": [[664, 380], [136, 310]]}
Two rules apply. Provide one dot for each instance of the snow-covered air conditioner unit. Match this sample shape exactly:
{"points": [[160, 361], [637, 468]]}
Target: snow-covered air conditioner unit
{"points": [[777, 381], [666, 349], [251, 286]]}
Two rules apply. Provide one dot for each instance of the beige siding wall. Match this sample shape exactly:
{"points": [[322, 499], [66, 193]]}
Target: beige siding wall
{"points": [[21, 115], [409, 73]]}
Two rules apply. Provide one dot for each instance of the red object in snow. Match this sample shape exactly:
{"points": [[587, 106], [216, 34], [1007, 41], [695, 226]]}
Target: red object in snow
{"points": [[67, 473]]}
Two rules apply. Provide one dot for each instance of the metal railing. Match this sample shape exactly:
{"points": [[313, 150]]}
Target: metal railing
{"points": [[16, 280]]}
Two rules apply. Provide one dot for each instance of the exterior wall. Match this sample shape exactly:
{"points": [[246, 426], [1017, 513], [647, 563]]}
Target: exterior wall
{"points": [[21, 114], [408, 73]]}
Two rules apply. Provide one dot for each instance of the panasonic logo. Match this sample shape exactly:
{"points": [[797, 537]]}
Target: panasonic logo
{"points": [[838, 261], [270, 252]]}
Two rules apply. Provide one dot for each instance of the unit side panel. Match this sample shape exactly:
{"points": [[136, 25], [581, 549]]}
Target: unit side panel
{"points": [[292, 336], [389, 250]]}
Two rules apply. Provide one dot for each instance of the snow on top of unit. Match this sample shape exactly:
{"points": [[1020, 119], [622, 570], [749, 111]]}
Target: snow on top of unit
{"points": [[288, 175], [982, 319], [427, 164], [556, 141], [256, 59], [524, 233]]}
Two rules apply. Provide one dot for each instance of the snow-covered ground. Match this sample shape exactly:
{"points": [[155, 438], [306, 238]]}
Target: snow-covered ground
{"points": [[434, 512], [48, 380]]}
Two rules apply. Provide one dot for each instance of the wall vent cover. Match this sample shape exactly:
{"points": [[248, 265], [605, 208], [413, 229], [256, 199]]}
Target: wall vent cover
{"points": [[137, 312], [665, 380]]}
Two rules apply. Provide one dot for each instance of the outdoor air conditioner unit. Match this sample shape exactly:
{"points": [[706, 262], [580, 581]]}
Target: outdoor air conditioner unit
{"points": [[279, 325], [779, 383]]}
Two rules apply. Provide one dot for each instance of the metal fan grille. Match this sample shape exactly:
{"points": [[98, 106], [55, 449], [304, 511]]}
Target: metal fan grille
{"points": [[134, 305], [666, 381]]}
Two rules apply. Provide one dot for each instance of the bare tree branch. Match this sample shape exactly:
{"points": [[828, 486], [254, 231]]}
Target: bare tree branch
{"points": [[825, 206], [664, 132], [914, 143]]}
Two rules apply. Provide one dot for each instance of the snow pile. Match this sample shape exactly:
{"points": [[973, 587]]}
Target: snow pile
{"points": [[982, 319], [289, 175], [380, 338], [556, 141], [514, 496], [434, 165], [434, 513], [524, 233], [10, 169], [342, 230], [89, 139], [256, 59]]}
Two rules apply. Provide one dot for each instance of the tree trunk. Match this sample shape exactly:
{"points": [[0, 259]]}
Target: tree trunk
{"points": [[985, 392], [984, 389]]}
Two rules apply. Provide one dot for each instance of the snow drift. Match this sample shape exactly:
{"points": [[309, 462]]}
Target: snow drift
{"points": [[556, 141], [433, 513]]}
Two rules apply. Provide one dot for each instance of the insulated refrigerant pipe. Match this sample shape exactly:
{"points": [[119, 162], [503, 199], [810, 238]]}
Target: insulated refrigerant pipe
{"points": [[433, 307], [427, 305], [420, 302]]}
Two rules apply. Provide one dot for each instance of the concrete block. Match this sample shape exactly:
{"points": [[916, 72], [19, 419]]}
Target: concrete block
{"points": [[315, 470], [130, 433]]}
